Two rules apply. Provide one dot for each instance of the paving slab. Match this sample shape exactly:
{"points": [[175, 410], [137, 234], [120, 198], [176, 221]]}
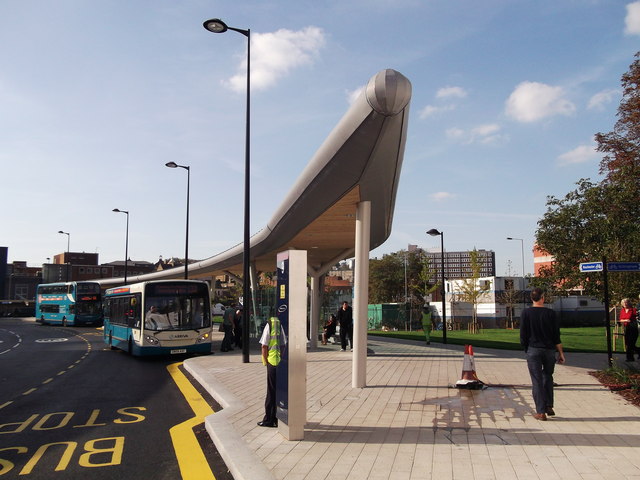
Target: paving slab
{"points": [[409, 423]]}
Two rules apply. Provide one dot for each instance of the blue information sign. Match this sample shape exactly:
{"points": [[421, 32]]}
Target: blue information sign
{"points": [[623, 266], [592, 267]]}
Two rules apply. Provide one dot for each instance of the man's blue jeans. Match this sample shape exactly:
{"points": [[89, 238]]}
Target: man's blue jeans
{"points": [[541, 362]]}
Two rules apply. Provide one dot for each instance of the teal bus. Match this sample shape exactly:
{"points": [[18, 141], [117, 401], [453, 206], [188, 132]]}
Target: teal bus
{"points": [[159, 317], [69, 304]]}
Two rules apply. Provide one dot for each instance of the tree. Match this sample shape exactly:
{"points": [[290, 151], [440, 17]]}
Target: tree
{"points": [[598, 221], [471, 289], [401, 277]]}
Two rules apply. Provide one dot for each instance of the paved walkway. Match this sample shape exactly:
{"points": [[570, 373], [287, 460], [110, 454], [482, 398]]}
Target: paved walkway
{"points": [[409, 424]]}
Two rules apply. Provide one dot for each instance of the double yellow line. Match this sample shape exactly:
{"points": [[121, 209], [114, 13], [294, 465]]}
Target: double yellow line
{"points": [[191, 460]]}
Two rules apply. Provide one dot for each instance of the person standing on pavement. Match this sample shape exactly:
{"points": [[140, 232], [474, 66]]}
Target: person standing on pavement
{"points": [[629, 320], [345, 319], [540, 337], [228, 318], [273, 341]]}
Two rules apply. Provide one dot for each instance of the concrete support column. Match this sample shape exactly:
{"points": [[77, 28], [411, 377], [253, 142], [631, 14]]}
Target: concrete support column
{"points": [[361, 294], [316, 298]]}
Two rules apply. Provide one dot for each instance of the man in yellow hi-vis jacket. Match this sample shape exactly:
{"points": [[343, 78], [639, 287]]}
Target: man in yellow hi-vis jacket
{"points": [[273, 341]]}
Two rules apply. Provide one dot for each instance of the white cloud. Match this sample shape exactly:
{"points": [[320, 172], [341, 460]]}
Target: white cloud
{"points": [[449, 92], [580, 154], [443, 93], [488, 133], [274, 54], [454, 132], [632, 20], [603, 98], [441, 196], [430, 110], [533, 101], [353, 95]]}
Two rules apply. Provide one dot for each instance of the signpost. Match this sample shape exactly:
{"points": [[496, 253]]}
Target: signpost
{"points": [[623, 266], [591, 267], [606, 267]]}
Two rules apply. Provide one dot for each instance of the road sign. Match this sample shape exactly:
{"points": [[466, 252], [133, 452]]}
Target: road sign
{"points": [[592, 267], [623, 266]]}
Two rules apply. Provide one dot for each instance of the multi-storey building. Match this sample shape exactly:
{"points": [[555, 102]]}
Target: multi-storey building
{"points": [[458, 264]]}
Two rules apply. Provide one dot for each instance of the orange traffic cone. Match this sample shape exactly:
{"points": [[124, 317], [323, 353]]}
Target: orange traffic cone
{"points": [[469, 378]]}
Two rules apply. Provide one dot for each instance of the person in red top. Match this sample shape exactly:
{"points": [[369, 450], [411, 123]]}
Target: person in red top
{"points": [[629, 319]]}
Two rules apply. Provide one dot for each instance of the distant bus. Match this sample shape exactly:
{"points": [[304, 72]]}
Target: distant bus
{"points": [[70, 303], [159, 317]]}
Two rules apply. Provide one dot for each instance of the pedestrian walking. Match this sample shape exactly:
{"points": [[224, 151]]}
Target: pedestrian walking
{"points": [[540, 337], [345, 319]]}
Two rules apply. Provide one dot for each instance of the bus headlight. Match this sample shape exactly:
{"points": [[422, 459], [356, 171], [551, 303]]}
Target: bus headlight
{"points": [[151, 340], [202, 338]]}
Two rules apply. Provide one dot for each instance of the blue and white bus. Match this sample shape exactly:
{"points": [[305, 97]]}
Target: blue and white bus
{"points": [[69, 303], [159, 317]]}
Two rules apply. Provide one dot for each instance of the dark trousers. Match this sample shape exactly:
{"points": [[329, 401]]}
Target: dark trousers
{"points": [[630, 339], [270, 400], [346, 331], [541, 363], [227, 341], [237, 336]]}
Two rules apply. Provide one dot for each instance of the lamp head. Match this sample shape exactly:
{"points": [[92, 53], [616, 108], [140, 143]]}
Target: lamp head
{"points": [[434, 232], [215, 25], [171, 165]]}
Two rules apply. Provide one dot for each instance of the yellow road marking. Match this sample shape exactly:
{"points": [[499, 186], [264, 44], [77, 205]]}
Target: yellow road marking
{"points": [[191, 460], [31, 390], [6, 404]]}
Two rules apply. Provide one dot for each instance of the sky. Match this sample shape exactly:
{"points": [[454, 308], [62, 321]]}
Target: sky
{"points": [[96, 97]]}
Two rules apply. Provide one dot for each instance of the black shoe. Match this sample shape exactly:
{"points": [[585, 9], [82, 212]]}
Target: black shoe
{"points": [[267, 424], [550, 412]]}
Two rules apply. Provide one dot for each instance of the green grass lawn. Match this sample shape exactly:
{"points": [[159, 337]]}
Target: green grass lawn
{"points": [[581, 339]]}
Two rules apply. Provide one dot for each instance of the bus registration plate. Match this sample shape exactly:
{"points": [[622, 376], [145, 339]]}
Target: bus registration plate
{"points": [[178, 350]]}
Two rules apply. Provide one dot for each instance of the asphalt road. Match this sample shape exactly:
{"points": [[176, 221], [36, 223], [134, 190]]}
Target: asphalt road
{"points": [[72, 408]]}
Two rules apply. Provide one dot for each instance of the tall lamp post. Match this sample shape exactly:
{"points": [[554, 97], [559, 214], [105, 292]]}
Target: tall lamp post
{"points": [[215, 25], [186, 238], [524, 302], [126, 244], [434, 233], [66, 260]]}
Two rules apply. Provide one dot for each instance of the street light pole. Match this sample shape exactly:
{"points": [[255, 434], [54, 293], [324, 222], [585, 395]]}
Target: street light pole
{"points": [[215, 25], [524, 302], [66, 260], [434, 232], [186, 238], [126, 244]]}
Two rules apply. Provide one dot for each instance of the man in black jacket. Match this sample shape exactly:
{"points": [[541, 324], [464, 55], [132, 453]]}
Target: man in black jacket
{"points": [[540, 337], [345, 318]]}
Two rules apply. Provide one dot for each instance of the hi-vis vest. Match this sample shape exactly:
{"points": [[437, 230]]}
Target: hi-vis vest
{"points": [[274, 342]]}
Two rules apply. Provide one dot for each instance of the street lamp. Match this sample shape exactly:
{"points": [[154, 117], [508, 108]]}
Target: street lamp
{"points": [[126, 244], [434, 233], [66, 260], [186, 240], [524, 302], [215, 25]]}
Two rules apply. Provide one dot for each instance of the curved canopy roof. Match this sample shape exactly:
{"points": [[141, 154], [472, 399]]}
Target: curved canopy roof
{"points": [[359, 161]]}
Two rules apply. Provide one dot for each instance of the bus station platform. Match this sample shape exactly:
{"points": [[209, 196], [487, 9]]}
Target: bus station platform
{"points": [[409, 423]]}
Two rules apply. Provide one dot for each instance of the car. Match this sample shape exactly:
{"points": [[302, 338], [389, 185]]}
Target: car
{"points": [[217, 309]]}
